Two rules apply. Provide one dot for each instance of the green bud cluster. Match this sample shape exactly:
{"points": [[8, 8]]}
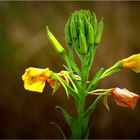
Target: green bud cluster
{"points": [[82, 27]]}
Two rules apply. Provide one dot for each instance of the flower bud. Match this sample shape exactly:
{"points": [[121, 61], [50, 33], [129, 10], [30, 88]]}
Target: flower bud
{"points": [[90, 34], [68, 34], [94, 22], [99, 32], [81, 25], [125, 98], [132, 63], [82, 42], [73, 29], [57, 46], [84, 21]]}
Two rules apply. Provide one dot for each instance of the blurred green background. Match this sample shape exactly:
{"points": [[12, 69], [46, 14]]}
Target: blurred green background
{"points": [[24, 43]]}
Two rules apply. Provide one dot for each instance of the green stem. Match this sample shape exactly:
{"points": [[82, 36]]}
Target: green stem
{"points": [[92, 54], [81, 125], [73, 64], [84, 72], [115, 68]]}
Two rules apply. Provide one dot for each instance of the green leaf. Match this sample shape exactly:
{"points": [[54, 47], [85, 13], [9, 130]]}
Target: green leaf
{"points": [[92, 106], [68, 118], [60, 129], [95, 80], [105, 102], [87, 134]]}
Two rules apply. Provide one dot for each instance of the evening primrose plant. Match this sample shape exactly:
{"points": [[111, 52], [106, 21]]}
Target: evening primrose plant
{"points": [[83, 34]]}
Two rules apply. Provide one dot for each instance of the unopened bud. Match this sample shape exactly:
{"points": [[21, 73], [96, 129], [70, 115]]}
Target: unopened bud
{"points": [[57, 46], [81, 25], [99, 32], [90, 34], [68, 34], [73, 29], [94, 22], [82, 42]]}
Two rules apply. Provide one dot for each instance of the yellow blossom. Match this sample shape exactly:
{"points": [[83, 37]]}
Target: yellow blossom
{"points": [[132, 63], [35, 78]]}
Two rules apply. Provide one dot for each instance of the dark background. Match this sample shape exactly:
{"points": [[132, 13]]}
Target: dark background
{"points": [[24, 43]]}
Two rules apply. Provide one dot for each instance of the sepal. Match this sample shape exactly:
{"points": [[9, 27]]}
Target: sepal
{"points": [[105, 102]]}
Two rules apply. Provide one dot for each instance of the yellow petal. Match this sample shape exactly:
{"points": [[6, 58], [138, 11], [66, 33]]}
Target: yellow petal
{"points": [[132, 63], [37, 86], [35, 78]]}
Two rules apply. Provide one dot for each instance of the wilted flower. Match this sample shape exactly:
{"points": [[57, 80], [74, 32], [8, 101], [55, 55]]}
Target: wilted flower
{"points": [[35, 78], [51, 82], [132, 62], [125, 98]]}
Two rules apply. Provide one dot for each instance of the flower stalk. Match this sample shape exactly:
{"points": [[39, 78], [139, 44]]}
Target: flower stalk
{"points": [[83, 34]]}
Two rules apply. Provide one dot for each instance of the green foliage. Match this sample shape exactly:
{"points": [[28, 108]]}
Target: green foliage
{"points": [[60, 130], [92, 106], [68, 118], [95, 80]]}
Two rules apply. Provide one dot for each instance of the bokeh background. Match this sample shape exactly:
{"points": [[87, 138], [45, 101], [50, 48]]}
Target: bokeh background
{"points": [[24, 43]]}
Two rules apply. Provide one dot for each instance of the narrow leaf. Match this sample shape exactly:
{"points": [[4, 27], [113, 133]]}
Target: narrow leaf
{"points": [[87, 134], [95, 80], [67, 116], [92, 106], [60, 129]]}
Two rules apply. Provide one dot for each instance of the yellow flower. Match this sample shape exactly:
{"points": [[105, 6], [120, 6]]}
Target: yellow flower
{"points": [[35, 78], [132, 62]]}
